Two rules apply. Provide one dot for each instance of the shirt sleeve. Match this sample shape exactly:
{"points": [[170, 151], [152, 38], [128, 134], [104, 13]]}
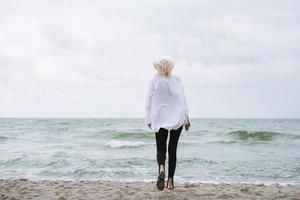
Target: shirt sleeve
{"points": [[186, 110], [148, 102]]}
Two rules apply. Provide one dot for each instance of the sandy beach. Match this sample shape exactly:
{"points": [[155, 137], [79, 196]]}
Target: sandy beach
{"points": [[46, 189]]}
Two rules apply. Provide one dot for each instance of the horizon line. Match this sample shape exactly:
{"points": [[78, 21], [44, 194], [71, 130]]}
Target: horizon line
{"points": [[144, 117]]}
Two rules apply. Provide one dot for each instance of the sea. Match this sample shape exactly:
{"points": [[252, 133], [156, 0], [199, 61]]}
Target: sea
{"points": [[124, 149]]}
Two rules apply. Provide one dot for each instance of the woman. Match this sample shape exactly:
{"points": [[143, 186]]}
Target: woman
{"points": [[166, 112]]}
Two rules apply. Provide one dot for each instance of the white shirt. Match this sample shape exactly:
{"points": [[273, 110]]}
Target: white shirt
{"points": [[166, 105]]}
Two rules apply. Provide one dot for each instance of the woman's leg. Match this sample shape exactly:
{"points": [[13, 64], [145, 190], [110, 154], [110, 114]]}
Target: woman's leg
{"points": [[172, 149], [161, 147]]}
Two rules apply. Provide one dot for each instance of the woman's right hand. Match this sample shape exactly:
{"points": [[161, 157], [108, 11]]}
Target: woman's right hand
{"points": [[187, 126], [187, 123]]}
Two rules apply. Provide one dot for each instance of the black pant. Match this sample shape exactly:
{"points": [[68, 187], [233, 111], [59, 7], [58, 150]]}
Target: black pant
{"points": [[161, 139]]}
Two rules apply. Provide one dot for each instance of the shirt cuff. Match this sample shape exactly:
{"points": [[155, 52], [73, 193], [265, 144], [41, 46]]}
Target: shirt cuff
{"points": [[186, 119], [148, 119]]}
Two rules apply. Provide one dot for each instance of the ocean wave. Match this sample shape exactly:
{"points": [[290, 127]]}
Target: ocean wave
{"points": [[124, 143], [3, 138], [188, 142], [10, 162], [256, 135], [134, 135], [196, 161], [223, 142], [58, 163]]}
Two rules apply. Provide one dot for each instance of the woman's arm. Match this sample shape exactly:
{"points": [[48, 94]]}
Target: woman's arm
{"points": [[149, 101], [186, 110]]}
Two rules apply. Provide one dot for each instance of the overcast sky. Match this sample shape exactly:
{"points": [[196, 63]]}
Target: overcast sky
{"points": [[74, 58]]}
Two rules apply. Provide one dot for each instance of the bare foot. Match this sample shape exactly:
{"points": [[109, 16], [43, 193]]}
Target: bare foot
{"points": [[170, 183], [162, 168]]}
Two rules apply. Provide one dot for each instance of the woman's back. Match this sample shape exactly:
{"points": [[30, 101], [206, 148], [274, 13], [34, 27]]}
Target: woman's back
{"points": [[166, 102]]}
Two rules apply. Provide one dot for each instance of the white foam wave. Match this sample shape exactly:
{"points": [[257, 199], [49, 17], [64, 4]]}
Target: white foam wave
{"points": [[124, 143]]}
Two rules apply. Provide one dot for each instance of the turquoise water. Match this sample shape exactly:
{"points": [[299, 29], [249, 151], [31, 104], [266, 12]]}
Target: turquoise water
{"points": [[214, 150]]}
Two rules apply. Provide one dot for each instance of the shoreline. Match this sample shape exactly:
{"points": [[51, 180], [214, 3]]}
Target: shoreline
{"points": [[87, 189], [258, 182]]}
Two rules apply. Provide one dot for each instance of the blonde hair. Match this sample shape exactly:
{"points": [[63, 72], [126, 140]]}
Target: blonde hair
{"points": [[164, 66]]}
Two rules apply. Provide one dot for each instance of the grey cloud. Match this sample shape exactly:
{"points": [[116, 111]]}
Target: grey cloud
{"points": [[94, 58]]}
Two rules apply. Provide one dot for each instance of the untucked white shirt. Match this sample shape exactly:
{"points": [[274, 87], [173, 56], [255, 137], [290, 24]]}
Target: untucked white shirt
{"points": [[166, 104]]}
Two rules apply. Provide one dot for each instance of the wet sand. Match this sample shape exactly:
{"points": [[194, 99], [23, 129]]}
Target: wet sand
{"points": [[46, 189]]}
